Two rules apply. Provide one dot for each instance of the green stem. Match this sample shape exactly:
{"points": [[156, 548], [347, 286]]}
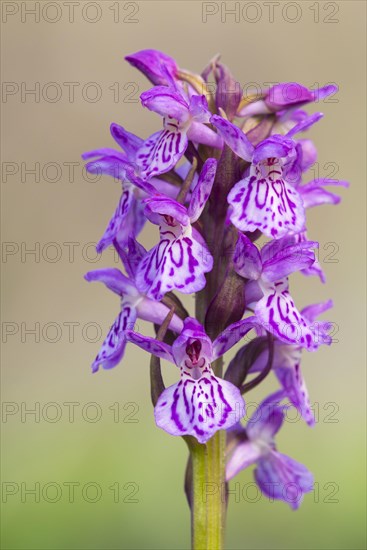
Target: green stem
{"points": [[208, 510], [216, 499], [208, 506], [198, 511]]}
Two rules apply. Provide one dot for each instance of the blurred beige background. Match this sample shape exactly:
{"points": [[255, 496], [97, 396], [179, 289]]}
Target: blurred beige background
{"points": [[103, 475]]}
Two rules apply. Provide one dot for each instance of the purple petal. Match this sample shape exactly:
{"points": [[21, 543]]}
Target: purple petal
{"points": [[277, 147], [164, 188], [143, 185], [115, 166], [177, 262], [231, 335], [286, 366], [152, 63], [325, 91], [255, 108], [161, 151], [315, 268], [269, 204], [193, 331], [292, 381], [114, 280], [112, 349], [202, 189], [199, 133], [167, 102], [314, 194], [155, 347], [309, 154], [199, 109], [128, 220], [247, 259], [313, 311], [282, 478], [164, 206], [278, 314], [131, 256], [305, 124], [199, 407], [243, 456], [267, 419], [156, 312], [233, 137], [287, 93], [104, 152], [315, 271], [285, 256], [130, 143]]}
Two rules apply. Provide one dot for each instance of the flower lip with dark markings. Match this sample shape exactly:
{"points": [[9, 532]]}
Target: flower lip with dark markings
{"points": [[193, 351]]}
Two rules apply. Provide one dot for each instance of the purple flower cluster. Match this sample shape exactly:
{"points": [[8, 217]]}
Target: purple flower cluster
{"points": [[224, 171]]}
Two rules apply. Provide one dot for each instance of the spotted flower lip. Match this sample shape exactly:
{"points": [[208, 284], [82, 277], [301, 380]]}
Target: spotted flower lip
{"points": [[181, 258], [134, 305], [264, 200], [183, 120], [278, 476], [200, 403], [276, 310]]}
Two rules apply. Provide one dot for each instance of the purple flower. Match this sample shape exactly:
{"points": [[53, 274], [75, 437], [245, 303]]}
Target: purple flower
{"points": [[200, 403], [183, 119], [134, 305], [314, 193], [128, 218], [286, 96], [181, 258], [210, 212], [264, 200], [278, 476], [269, 270], [287, 362], [155, 65]]}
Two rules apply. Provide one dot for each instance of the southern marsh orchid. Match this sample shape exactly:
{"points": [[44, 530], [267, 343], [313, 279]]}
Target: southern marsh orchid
{"points": [[221, 172]]}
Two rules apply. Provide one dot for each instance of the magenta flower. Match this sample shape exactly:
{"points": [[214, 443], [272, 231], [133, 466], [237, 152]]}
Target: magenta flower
{"points": [[269, 271], [278, 476], [264, 200], [181, 258], [134, 305], [157, 66], [183, 120], [286, 362], [200, 403], [284, 97], [128, 219]]}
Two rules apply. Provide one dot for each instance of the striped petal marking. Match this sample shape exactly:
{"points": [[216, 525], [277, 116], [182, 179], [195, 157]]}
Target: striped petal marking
{"points": [[277, 312], [113, 347], [127, 220], [265, 201], [162, 150], [200, 403], [179, 262]]}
